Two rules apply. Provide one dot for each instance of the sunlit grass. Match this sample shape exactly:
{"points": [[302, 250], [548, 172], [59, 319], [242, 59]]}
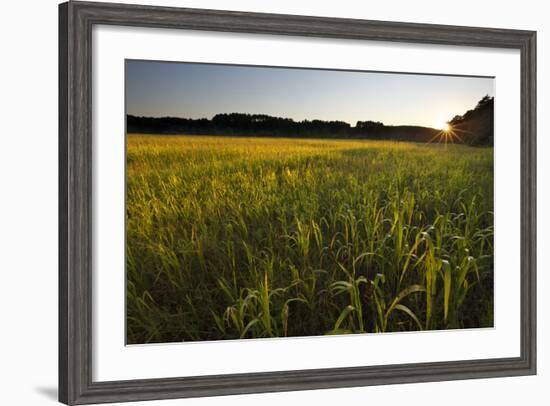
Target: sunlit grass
{"points": [[266, 237]]}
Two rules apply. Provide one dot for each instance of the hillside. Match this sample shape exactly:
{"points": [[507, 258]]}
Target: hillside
{"points": [[476, 126]]}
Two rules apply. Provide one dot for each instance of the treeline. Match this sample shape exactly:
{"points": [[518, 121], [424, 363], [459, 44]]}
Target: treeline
{"points": [[476, 126], [262, 125]]}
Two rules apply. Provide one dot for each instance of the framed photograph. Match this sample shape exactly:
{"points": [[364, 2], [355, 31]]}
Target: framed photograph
{"points": [[257, 202]]}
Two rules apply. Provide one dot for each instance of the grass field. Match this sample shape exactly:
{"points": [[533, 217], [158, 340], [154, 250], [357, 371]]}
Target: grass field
{"points": [[232, 238]]}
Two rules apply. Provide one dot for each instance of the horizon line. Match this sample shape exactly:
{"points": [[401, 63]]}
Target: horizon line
{"points": [[286, 118]]}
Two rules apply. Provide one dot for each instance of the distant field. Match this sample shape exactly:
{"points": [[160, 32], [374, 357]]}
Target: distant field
{"points": [[232, 238]]}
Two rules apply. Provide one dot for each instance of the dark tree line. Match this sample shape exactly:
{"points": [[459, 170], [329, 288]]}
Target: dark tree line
{"points": [[261, 125], [476, 126], [240, 124]]}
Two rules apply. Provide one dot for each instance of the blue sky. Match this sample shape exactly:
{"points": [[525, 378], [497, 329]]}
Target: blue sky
{"points": [[191, 90]]}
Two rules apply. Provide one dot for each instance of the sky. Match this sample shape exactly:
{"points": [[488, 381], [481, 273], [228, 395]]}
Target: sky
{"points": [[192, 90]]}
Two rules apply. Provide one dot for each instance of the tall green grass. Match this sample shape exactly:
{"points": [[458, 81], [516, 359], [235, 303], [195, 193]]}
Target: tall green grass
{"points": [[232, 238]]}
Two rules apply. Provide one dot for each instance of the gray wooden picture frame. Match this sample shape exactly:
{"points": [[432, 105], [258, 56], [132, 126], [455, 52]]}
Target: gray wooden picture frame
{"points": [[76, 20]]}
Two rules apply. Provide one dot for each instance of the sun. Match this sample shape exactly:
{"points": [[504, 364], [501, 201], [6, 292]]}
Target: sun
{"points": [[448, 134], [443, 126]]}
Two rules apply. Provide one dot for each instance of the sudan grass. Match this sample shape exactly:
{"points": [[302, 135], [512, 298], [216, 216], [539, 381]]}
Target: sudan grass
{"points": [[232, 238]]}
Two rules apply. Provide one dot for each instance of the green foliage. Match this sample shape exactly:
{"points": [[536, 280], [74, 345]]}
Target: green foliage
{"points": [[232, 238]]}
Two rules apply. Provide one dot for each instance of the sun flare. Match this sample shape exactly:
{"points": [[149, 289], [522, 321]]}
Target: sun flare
{"points": [[442, 126], [448, 134]]}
